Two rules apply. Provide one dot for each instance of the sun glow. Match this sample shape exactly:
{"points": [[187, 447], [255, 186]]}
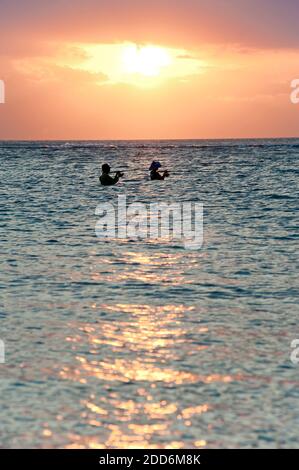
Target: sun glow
{"points": [[147, 60], [127, 63]]}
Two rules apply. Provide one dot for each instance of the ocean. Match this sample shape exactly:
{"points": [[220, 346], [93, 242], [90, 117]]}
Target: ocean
{"points": [[143, 343]]}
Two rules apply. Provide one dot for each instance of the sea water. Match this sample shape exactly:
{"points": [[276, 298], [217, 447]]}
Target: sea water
{"points": [[138, 342]]}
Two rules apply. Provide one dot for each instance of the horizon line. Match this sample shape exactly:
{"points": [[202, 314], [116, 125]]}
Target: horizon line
{"points": [[150, 139]]}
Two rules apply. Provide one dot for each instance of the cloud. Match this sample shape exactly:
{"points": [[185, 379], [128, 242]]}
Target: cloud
{"points": [[186, 56], [42, 70], [180, 23]]}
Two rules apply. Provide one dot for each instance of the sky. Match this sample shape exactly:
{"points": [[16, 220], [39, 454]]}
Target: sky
{"points": [[140, 69]]}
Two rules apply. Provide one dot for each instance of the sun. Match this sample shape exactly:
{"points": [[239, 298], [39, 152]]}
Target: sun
{"points": [[143, 66], [145, 60]]}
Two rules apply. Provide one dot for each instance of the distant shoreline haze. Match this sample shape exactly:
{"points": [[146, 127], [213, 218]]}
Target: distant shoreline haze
{"points": [[155, 140]]}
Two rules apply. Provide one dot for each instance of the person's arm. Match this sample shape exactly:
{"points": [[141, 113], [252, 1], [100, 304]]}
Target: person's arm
{"points": [[162, 176], [107, 180], [116, 177], [155, 175]]}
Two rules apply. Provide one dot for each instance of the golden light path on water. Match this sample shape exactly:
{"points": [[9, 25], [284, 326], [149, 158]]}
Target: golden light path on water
{"points": [[152, 335], [140, 345]]}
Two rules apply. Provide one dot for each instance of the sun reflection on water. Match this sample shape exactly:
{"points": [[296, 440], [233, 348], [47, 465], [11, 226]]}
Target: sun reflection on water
{"points": [[142, 351]]}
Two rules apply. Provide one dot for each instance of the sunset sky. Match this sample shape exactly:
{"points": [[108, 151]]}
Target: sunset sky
{"points": [[133, 69]]}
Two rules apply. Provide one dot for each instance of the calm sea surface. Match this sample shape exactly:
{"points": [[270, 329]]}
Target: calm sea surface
{"points": [[144, 343]]}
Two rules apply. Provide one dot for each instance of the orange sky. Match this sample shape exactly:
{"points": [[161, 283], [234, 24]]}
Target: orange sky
{"points": [[138, 69]]}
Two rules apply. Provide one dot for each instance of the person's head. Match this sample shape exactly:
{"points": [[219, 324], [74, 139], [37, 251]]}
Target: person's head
{"points": [[106, 168], [155, 166]]}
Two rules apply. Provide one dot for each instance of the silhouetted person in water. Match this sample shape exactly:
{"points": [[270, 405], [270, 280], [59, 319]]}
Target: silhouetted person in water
{"points": [[155, 175], [108, 180]]}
